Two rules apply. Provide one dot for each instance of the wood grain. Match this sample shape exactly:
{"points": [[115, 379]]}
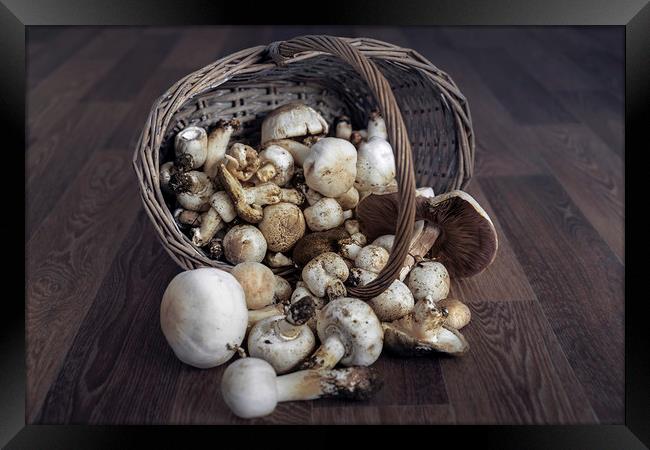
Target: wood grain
{"points": [[546, 337]]}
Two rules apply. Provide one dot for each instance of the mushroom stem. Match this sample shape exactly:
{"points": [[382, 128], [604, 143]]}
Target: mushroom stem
{"points": [[249, 212], [328, 354], [357, 383], [343, 128], [377, 126], [255, 315], [298, 150], [217, 145], [190, 146]]}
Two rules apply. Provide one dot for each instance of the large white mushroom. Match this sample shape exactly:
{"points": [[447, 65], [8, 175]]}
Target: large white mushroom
{"points": [[244, 243], [428, 279], [331, 166], [325, 274], [203, 316]]}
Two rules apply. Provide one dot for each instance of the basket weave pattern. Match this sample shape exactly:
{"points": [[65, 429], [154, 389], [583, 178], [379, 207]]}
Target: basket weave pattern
{"points": [[427, 117]]}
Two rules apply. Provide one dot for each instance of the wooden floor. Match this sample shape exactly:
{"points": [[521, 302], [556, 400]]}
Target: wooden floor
{"points": [[547, 331]]}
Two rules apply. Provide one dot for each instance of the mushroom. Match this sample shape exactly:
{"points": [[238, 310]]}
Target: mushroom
{"points": [[426, 192], [221, 211], [352, 226], [343, 128], [302, 292], [371, 258], [193, 190], [429, 279], [217, 145], [349, 199], [281, 290], [242, 161], [375, 164], [248, 201], [258, 282], [325, 274], [298, 150], [203, 316], [423, 332], [350, 334], [191, 148], [458, 314], [386, 242], [282, 225], [292, 120], [313, 244], [166, 172], [350, 247], [244, 243], [395, 302], [215, 248], [277, 260], [330, 167], [276, 165], [255, 315], [325, 214], [376, 126], [283, 341], [250, 387], [465, 242], [186, 217]]}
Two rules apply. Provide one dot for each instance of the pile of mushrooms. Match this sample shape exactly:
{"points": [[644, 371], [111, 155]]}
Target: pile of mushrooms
{"points": [[316, 204]]}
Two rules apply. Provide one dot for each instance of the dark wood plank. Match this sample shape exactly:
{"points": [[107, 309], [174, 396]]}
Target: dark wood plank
{"points": [[132, 71], [590, 174], [514, 371], [119, 367], [577, 279], [67, 258], [71, 151], [59, 48]]}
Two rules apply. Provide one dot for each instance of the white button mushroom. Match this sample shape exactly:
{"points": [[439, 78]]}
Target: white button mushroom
{"points": [[282, 225], [375, 165], [343, 128], [350, 334], [191, 147], [258, 282], [244, 243], [350, 247], [386, 242], [203, 316], [423, 332], [372, 258], [324, 215], [276, 165], [331, 166], [376, 126], [251, 388], [193, 190], [325, 274], [429, 279], [395, 302], [458, 314]]}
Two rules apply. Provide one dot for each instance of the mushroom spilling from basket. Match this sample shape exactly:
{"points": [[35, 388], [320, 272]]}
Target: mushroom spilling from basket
{"points": [[305, 218]]}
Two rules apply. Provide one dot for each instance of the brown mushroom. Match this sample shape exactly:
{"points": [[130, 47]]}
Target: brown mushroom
{"points": [[282, 226], [467, 241], [313, 244]]}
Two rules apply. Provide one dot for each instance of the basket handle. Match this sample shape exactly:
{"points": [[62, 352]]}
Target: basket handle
{"points": [[397, 136]]}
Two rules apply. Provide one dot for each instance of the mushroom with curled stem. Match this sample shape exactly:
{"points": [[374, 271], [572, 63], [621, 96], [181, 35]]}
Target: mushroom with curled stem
{"points": [[284, 341], [242, 161], [217, 145], [244, 243], [429, 279], [191, 148], [313, 244], [325, 274], [325, 214], [293, 120], [350, 334], [423, 332], [458, 314], [330, 167], [221, 211], [276, 166], [465, 239], [251, 388], [282, 225], [343, 128]]}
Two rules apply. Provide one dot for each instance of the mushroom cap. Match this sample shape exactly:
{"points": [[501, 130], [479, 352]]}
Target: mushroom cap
{"points": [[359, 329], [281, 160], [244, 243], [331, 166], [385, 241], [394, 303], [401, 342], [282, 290], [318, 272], [324, 215], [372, 258], [467, 241], [203, 316], [248, 387], [283, 225], [458, 313], [375, 164], [429, 279], [258, 282], [292, 120], [349, 199], [284, 353], [313, 244]]}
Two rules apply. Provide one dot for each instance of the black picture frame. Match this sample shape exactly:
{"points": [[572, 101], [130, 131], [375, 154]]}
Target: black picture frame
{"points": [[634, 15]]}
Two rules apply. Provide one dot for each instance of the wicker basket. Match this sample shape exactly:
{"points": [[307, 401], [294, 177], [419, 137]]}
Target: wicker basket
{"points": [[427, 117]]}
